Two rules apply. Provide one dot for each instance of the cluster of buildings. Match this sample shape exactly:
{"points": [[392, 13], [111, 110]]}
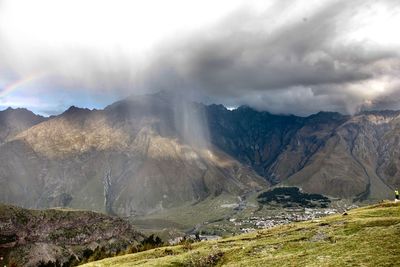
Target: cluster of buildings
{"points": [[254, 223], [251, 224]]}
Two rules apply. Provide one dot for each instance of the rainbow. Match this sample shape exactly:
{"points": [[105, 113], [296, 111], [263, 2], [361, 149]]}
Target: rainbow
{"points": [[20, 83]]}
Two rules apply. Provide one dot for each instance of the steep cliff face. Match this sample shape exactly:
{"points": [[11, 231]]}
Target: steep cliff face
{"points": [[276, 146], [388, 163], [350, 164], [255, 138], [342, 156]]}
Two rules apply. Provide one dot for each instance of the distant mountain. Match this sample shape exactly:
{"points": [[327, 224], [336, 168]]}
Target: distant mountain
{"points": [[150, 153], [354, 157], [56, 237], [14, 121]]}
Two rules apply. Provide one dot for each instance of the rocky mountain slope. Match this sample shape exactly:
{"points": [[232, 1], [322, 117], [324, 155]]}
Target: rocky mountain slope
{"points": [[150, 153], [355, 160], [31, 237], [329, 153]]}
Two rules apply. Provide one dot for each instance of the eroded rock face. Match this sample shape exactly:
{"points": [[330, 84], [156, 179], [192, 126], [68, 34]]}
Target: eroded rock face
{"points": [[342, 156], [276, 146], [28, 237], [357, 153]]}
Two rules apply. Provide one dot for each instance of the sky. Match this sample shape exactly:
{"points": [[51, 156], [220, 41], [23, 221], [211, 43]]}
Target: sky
{"points": [[283, 56]]}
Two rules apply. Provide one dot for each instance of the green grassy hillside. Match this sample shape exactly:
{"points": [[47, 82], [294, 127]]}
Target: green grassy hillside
{"points": [[368, 236]]}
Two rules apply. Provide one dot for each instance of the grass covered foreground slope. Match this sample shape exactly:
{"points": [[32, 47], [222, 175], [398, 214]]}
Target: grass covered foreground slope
{"points": [[368, 236]]}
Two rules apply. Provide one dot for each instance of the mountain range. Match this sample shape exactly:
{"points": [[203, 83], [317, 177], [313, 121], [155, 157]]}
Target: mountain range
{"points": [[149, 153]]}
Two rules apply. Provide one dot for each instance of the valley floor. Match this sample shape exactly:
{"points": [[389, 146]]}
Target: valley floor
{"points": [[368, 236]]}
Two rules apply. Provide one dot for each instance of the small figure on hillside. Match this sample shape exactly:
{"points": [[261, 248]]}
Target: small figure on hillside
{"points": [[396, 193], [197, 236]]}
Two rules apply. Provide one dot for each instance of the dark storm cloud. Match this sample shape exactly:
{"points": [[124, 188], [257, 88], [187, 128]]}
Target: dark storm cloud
{"points": [[242, 62]]}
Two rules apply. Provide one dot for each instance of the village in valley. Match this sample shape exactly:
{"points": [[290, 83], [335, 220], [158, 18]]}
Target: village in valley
{"points": [[272, 208]]}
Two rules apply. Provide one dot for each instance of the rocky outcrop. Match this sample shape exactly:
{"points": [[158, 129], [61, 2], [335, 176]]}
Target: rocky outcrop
{"points": [[28, 237]]}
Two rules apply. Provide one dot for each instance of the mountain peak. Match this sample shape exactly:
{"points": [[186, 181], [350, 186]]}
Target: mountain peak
{"points": [[10, 109], [163, 93], [22, 113], [325, 116], [217, 107], [74, 109], [14, 121]]}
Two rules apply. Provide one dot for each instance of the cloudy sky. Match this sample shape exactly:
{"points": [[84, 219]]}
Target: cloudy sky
{"points": [[283, 56]]}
